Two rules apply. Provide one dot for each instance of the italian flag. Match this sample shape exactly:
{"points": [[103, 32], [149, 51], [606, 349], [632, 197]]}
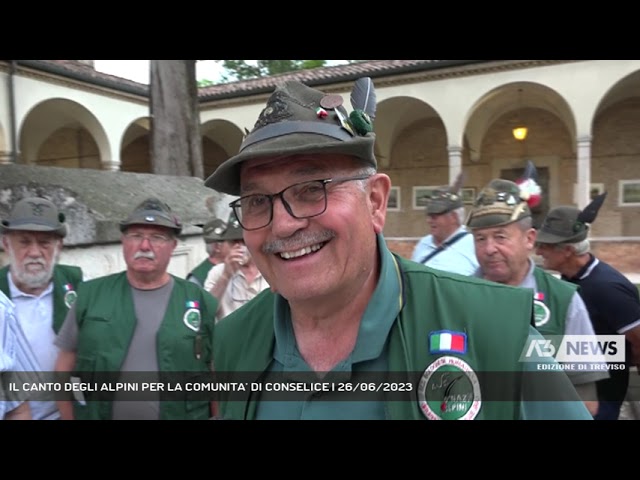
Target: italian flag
{"points": [[448, 341]]}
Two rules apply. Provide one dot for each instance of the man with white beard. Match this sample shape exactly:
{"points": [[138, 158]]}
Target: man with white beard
{"points": [[41, 289]]}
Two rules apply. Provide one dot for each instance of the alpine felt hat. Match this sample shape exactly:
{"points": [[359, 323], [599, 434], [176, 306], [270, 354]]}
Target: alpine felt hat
{"points": [[35, 214], [442, 201], [499, 203], [152, 211], [561, 225], [233, 230], [297, 120], [568, 224], [212, 230]]}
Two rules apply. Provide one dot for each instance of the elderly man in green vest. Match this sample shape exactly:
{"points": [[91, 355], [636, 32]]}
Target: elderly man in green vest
{"points": [[502, 227], [41, 288], [348, 330], [143, 325]]}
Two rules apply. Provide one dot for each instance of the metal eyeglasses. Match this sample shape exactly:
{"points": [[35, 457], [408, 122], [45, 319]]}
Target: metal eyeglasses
{"points": [[156, 239], [301, 200]]}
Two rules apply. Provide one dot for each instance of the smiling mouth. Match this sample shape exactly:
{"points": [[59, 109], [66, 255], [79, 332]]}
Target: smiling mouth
{"points": [[302, 252]]}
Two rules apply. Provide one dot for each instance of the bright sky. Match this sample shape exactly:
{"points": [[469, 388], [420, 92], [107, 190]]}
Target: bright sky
{"points": [[138, 70]]}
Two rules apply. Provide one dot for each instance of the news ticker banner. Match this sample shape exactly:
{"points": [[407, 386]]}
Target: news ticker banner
{"points": [[448, 378]]}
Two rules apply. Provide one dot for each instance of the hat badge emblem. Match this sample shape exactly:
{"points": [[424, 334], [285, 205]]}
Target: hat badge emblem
{"points": [[150, 218]]}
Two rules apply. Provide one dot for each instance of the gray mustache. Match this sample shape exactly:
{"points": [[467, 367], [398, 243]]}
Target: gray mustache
{"points": [[140, 254], [297, 241]]}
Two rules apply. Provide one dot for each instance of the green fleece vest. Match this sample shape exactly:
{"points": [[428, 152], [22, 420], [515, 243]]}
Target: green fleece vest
{"points": [[66, 279], [201, 271], [433, 301], [106, 322], [550, 313]]}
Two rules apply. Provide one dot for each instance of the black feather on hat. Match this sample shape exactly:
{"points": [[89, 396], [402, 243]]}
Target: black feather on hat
{"points": [[568, 224]]}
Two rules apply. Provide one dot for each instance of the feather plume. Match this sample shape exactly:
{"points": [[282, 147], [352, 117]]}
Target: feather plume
{"points": [[363, 96], [457, 185], [590, 212], [530, 191], [530, 171]]}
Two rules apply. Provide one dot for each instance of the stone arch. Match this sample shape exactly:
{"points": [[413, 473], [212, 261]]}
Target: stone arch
{"points": [[221, 140], [135, 147], [508, 104], [63, 133], [615, 156]]}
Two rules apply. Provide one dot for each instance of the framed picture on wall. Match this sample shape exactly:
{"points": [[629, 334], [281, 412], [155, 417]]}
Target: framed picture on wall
{"points": [[421, 196], [468, 195], [393, 205], [629, 192]]}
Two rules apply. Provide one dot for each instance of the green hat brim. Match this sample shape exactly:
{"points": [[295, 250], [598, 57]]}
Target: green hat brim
{"points": [[436, 207], [551, 238], [32, 227], [140, 217], [226, 178]]}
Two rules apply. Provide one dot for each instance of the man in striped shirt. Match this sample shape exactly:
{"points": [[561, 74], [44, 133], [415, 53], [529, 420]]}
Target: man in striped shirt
{"points": [[17, 364]]}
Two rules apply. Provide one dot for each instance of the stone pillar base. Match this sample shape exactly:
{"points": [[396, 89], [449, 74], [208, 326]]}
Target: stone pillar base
{"points": [[111, 165]]}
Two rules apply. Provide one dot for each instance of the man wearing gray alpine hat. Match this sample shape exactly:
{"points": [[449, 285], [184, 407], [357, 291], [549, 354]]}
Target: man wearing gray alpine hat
{"points": [[140, 320], [41, 289], [217, 250], [449, 245], [501, 223], [612, 300]]}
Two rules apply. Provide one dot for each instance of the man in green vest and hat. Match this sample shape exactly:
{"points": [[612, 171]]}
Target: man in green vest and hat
{"points": [[217, 250], [143, 325], [348, 330], [501, 223], [41, 288], [612, 300]]}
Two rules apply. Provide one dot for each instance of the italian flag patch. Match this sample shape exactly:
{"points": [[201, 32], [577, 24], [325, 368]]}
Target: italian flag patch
{"points": [[447, 341]]}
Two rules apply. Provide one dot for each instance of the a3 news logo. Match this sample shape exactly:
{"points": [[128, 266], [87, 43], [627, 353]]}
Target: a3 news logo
{"points": [[596, 349]]}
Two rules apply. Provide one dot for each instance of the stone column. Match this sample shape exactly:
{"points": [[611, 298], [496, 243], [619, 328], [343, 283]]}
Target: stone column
{"points": [[111, 165], [583, 180], [455, 162], [5, 158]]}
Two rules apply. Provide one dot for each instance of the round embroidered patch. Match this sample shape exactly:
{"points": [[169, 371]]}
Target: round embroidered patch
{"points": [[70, 297], [449, 389], [541, 313], [192, 319]]}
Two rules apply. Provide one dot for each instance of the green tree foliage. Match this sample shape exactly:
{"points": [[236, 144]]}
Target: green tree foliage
{"points": [[246, 70]]}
